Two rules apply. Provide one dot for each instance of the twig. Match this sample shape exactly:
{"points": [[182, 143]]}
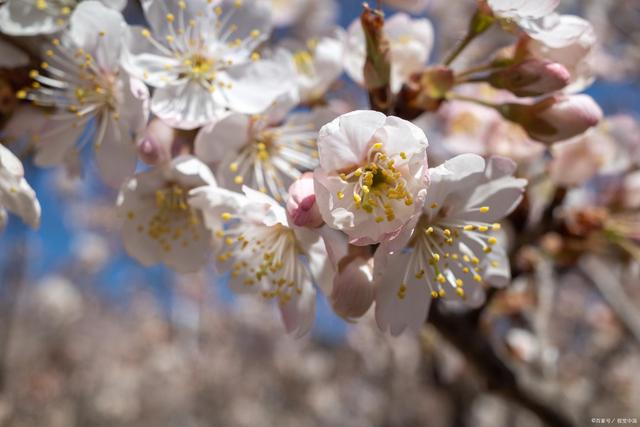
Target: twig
{"points": [[598, 273], [463, 331]]}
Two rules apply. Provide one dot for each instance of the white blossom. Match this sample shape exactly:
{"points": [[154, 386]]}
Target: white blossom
{"points": [[265, 253], [81, 78], [32, 17], [372, 177], [267, 152], [160, 225], [451, 249], [202, 59], [16, 195], [318, 63]]}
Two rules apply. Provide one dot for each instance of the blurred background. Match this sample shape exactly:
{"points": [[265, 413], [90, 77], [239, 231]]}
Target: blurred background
{"points": [[88, 337]]}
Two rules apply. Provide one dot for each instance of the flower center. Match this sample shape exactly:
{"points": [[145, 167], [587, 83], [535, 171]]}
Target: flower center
{"points": [[378, 185], [174, 222], [263, 255], [449, 253]]}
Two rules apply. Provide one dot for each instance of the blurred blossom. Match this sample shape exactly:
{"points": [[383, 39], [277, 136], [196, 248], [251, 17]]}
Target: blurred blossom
{"points": [[411, 6], [19, 18], [531, 77], [102, 96], [57, 301], [410, 42], [556, 118]]}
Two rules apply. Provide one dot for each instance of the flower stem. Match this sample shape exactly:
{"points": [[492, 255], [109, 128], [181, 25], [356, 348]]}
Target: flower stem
{"points": [[480, 22], [458, 97]]}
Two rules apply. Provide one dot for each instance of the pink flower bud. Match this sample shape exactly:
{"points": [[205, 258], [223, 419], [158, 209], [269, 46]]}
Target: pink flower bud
{"points": [[155, 145], [532, 77], [555, 118], [301, 205], [353, 291]]}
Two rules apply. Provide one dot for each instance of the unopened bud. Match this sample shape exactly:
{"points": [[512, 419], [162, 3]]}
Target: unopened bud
{"points": [[532, 77], [353, 291], [155, 145], [555, 118], [301, 205]]}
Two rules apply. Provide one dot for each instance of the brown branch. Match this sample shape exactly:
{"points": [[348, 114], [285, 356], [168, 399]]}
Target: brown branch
{"points": [[464, 332]]}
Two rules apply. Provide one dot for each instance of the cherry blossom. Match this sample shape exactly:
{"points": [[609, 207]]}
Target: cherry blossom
{"points": [[32, 17], [452, 248], [202, 60], [160, 224], [82, 80], [267, 151], [265, 253], [372, 177]]}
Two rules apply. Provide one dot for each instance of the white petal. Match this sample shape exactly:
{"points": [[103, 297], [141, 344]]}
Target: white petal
{"points": [[91, 19], [225, 136], [255, 85], [185, 106], [298, 314], [393, 313], [116, 153], [22, 18], [344, 142]]}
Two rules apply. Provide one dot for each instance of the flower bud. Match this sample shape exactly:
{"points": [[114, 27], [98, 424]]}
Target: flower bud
{"points": [[155, 145], [555, 118], [353, 291], [301, 205], [532, 77]]}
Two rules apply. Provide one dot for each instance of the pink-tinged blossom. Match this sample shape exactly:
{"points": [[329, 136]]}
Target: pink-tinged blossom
{"points": [[301, 203], [202, 60], [16, 195], [556, 118], [353, 292], [160, 224], [452, 248], [565, 39], [410, 42], [373, 175], [82, 80], [531, 77], [265, 252], [155, 145]]}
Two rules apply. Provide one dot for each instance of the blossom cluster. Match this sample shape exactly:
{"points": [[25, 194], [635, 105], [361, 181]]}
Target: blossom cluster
{"points": [[229, 143]]}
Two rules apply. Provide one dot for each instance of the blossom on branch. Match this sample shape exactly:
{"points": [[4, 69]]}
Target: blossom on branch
{"points": [[160, 224], [452, 247], [265, 252], [202, 59], [82, 80], [373, 175]]}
